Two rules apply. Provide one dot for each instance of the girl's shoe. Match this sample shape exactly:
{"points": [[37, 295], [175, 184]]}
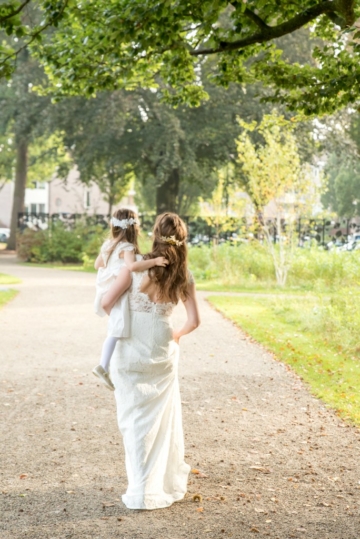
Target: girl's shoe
{"points": [[103, 377]]}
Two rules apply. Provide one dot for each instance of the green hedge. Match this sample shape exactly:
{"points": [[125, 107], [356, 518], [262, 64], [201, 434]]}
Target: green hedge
{"points": [[59, 244]]}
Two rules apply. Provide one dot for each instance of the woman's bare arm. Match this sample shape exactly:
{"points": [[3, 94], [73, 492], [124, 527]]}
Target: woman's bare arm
{"points": [[193, 315], [121, 284]]}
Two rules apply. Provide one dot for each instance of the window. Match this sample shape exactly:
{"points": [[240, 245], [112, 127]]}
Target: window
{"points": [[33, 208], [41, 208]]}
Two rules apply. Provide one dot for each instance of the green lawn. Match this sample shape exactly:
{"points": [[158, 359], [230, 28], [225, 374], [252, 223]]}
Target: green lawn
{"points": [[6, 296], [259, 288], [323, 354], [60, 266], [6, 279]]}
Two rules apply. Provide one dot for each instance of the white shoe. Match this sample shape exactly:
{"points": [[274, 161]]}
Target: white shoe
{"points": [[103, 377]]}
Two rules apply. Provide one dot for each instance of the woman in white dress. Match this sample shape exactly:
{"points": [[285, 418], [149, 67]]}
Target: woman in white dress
{"points": [[144, 370]]}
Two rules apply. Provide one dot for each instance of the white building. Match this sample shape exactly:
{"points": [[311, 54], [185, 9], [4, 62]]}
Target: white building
{"points": [[58, 196]]}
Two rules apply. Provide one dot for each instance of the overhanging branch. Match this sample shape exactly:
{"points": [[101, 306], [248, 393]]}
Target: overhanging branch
{"points": [[268, 33], [14, 12]]}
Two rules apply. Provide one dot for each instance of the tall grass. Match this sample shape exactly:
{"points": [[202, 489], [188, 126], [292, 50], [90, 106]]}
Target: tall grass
{"points": [[250, 264]]}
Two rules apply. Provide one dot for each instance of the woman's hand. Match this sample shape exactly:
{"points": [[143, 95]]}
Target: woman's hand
{"points": [[161, 261]]}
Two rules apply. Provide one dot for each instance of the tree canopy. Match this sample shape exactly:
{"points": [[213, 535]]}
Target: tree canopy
{"points": [[124, 43]]}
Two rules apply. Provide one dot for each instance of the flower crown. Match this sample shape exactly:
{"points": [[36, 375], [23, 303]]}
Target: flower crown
{"points": [[172, 240], [123, 223]]}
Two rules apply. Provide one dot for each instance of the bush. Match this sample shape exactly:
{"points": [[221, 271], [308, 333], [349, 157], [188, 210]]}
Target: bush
{"points": [[59, 244]]}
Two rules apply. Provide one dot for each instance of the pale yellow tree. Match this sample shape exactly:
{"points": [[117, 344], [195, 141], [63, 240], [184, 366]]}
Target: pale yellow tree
{"points": [[224, 203], [271, 172]]}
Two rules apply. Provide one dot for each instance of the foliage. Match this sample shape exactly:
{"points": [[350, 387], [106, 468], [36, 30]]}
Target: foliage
{"points": [[161, 45], [57, 244], [270, 172], [7, 159], [250, 264], [24, 22], [343, 190], [317, 336], [271, 169], [24, 119]]}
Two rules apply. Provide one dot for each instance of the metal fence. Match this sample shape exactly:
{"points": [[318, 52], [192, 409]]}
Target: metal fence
{"points": [[207, 230]]}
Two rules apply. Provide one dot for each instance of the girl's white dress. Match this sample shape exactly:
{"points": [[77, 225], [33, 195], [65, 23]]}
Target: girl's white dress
{"points": [[144, 370], [118, 323]]}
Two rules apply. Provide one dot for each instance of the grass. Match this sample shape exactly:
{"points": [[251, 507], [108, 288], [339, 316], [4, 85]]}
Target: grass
{"points": [[6, 279], [260, 288], [293, 331], [6, 296], [60, 266]]}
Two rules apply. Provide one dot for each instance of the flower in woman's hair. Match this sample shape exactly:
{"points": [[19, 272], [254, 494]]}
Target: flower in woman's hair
{"points": [[172, 240]]}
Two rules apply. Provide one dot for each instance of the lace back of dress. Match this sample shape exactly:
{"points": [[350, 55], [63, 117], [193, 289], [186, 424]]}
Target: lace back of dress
{"points": [[140, 301]]}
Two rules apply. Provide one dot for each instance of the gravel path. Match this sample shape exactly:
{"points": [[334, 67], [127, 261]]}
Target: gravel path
{"points": [[274, 461]]}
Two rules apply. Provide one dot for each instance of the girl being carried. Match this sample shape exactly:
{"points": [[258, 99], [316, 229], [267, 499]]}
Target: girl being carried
{"points": [[119, 253]]}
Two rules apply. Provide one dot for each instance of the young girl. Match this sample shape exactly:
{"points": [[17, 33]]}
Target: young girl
{"points": [[118, 252]]}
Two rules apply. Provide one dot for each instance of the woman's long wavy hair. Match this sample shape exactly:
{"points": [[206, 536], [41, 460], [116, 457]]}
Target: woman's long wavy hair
{"points": [[172, 280], [129, 234]]}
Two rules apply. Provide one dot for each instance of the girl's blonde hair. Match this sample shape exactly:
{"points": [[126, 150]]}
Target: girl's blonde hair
{"points": [[169, 240], [129, 234]]}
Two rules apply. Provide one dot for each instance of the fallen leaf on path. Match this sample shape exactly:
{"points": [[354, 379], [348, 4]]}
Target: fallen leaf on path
{"points": [[254, 530], [200, 509], [23, 476], [260, 469], [197, 498], [259, 510], [107, 504]]}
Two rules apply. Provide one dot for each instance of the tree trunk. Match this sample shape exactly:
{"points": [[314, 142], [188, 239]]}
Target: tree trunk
{"points": [[19, 191], [167, 193]]}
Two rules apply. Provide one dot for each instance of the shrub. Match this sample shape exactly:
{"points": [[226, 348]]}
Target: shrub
{"points": [[59, 244]]}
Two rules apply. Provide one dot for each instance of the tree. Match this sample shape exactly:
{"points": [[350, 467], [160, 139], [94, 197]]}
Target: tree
{"points": [[343, 189], [29, 147], [103, 46], [22, 23], [7, 159], [22, 118], [180, 149], [271, 171], [98, 136]]}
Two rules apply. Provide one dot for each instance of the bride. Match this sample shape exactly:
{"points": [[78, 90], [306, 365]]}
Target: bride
{"points": [[144, 370]]}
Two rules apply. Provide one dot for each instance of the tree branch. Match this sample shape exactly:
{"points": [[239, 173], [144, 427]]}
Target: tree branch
{"points": [[334, 17], [15, 12], [272, 32], [253, 16], [256, 19], [35, 35]]}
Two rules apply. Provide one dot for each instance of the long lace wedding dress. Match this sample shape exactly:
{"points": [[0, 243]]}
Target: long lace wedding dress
{"points": [[144, 370]]}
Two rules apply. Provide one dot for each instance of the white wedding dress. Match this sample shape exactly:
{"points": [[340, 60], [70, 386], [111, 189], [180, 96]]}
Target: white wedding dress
{"points": [[144, 370]]}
